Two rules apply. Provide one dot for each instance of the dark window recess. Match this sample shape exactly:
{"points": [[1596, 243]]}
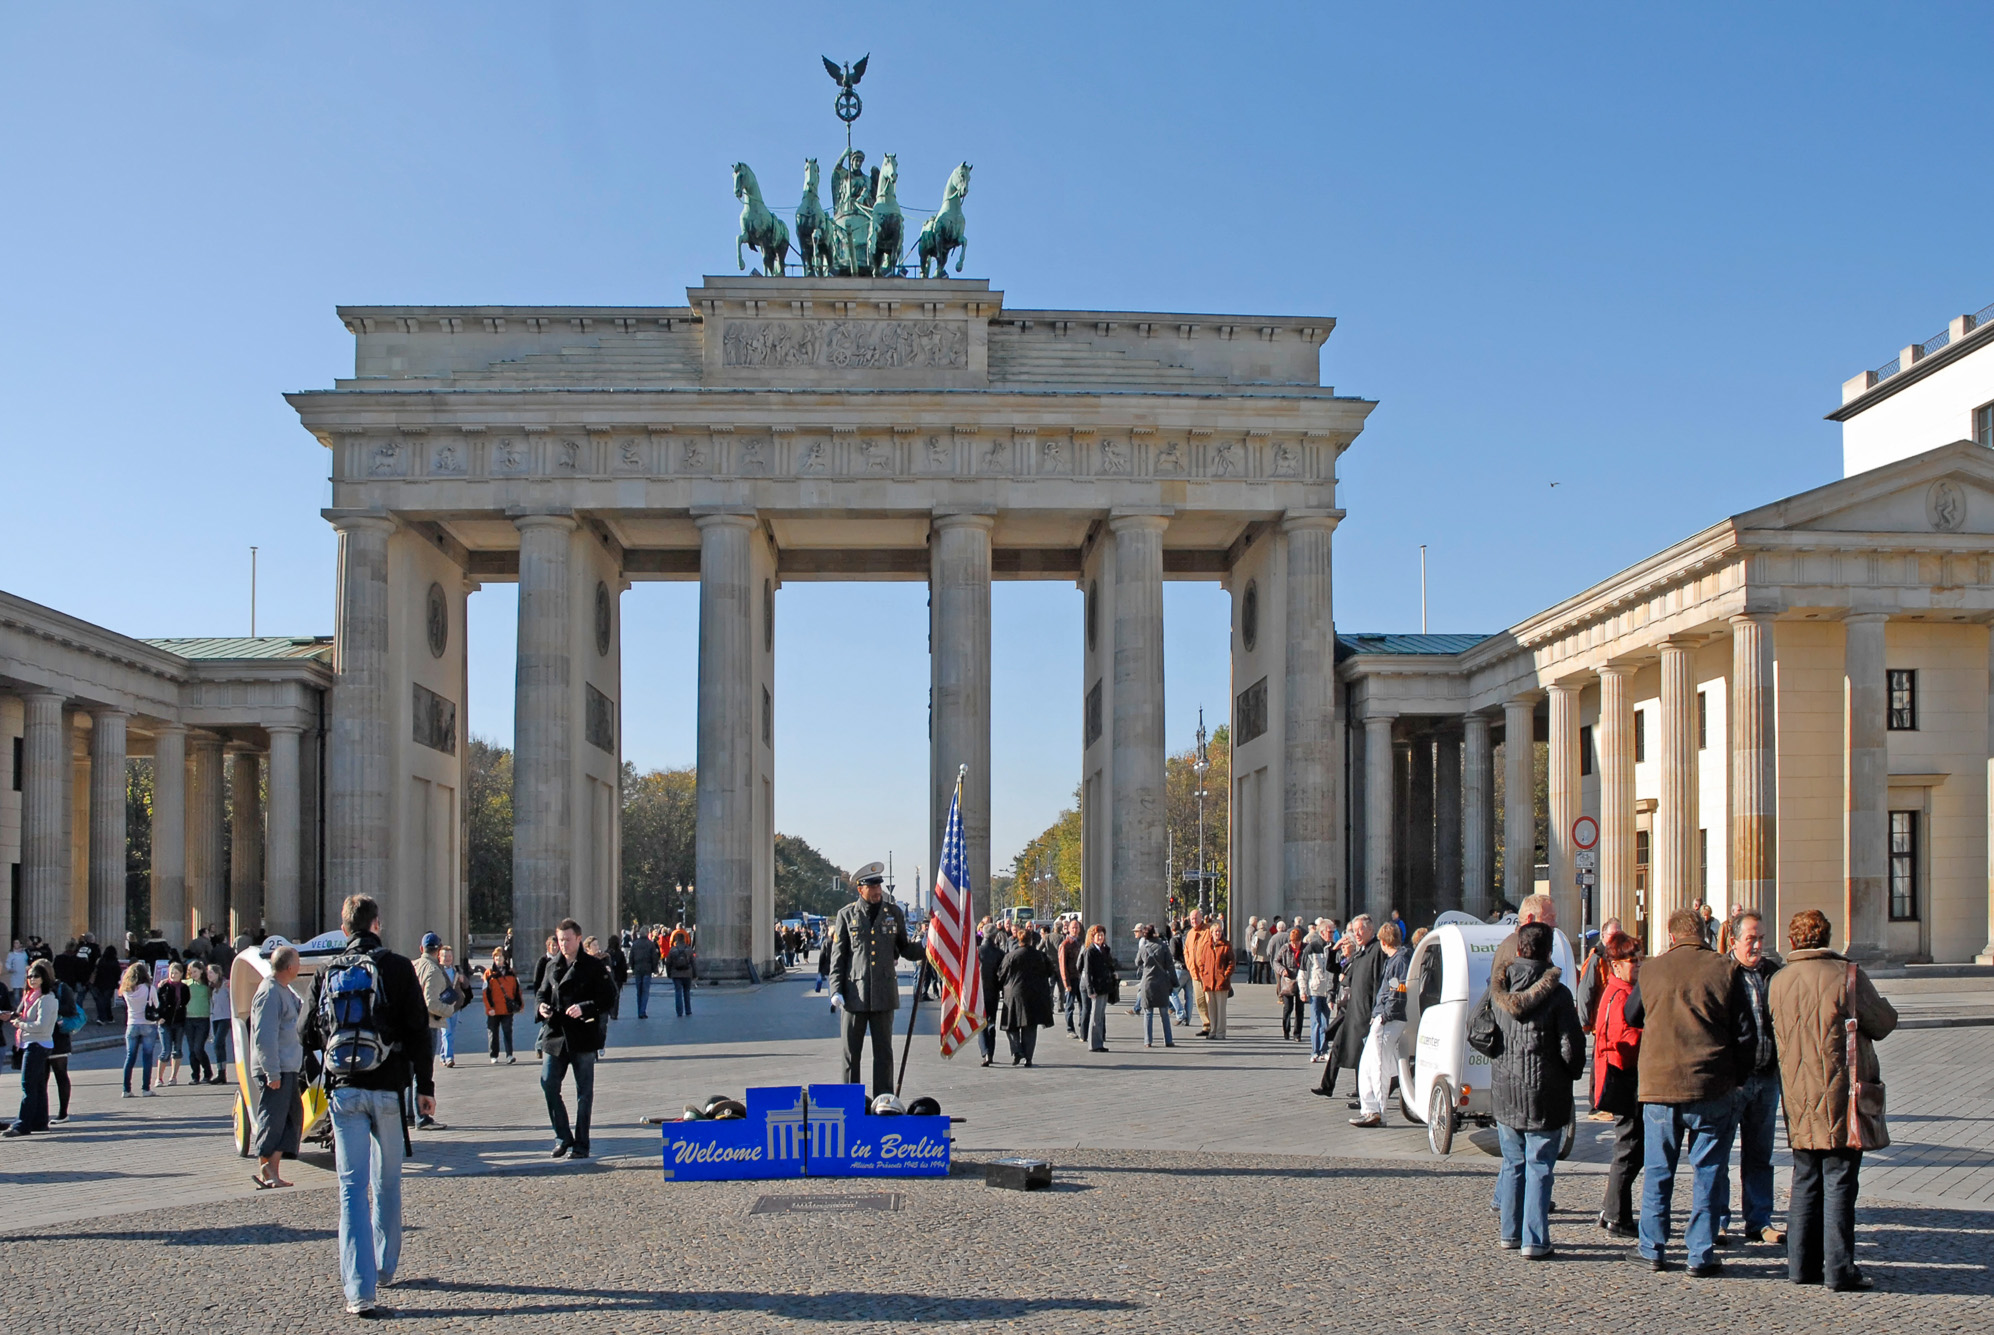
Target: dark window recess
{"points": [[435, 721], [768, 718], [1983, 425], [1903, 700], [17, 763], [1703, 864], [1703, 720], [1641, 845], [1250, 713], [1093, 720], [600, 725], [1904, 866], [1585, 751], [1640, 736]]}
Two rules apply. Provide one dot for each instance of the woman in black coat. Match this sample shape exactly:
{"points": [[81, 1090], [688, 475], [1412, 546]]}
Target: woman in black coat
{"points": [[1530, 1090], [989, 959], [1026, 979]]}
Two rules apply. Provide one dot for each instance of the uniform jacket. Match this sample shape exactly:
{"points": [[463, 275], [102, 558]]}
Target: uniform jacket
{"points": [[867, 943], [585, 983], [1543, 1049], [1697, 1039], [1360, 978], [404, 1023], [1026, 979], [1809, 1003]]}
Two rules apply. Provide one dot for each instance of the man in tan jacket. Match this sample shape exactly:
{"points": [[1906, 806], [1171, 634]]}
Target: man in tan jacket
{"points": [[1812, 999]]}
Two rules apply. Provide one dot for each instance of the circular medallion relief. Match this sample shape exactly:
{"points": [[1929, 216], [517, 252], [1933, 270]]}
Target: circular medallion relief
{"points": [[436, 616], [603, 612], [1249, 616], [1945, 506], [768, 616], [1093, 612]]}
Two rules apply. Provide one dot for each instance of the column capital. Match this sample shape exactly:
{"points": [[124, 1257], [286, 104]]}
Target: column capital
{"points": [[1618, 669], [42, 696], [1523, 700], [275, 728], [168, 728], [1757, 617], [728, 518], [1150, 521], [561, 520], [1681, 644], [1372, 717], [1865, 618], [108, 712], [1324, 520], [947, 519], [1567, 686], [359, 521]]}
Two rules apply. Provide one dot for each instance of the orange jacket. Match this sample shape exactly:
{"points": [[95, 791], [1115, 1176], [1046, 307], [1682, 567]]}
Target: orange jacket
{"points": [[502, 994]]}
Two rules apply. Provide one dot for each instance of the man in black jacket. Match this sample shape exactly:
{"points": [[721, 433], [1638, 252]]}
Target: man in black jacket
{"points": [[576, 995], [367, 1115], [643, 967], [1360, 987]]}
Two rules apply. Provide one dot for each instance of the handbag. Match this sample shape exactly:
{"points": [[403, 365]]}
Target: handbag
{"points": [[1865, 1097], [1484, 1035]]}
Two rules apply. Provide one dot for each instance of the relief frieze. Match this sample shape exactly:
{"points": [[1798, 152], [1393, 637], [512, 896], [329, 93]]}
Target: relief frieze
{"points": [[847, 344]]}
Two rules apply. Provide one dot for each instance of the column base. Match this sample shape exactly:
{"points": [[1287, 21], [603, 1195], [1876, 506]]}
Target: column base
{"points": [[1986, 956], [1863, 953], [729, 971]]}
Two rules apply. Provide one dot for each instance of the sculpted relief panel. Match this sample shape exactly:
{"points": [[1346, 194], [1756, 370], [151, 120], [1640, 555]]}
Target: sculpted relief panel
{"points": [[847, 344]]}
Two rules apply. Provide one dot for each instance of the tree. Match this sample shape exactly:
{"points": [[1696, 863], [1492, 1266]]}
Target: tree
{"points": [[1180, 807], [806, 881], [660, 848], [488, 807], [1046, 872]]}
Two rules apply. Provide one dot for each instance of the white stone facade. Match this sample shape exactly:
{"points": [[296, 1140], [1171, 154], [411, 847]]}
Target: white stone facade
{"points": [[1930, 394]]}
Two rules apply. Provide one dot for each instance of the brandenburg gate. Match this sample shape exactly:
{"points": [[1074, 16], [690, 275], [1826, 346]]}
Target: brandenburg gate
{"points": [[780, 429]]}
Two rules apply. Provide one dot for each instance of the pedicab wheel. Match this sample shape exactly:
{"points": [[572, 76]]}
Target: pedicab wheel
{"points": [[1570, 1138], [1440, 1118], [240, 1119]]}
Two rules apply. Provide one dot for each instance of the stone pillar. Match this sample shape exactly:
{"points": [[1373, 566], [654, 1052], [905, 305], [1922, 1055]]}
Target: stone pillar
{"points": [[1311, 829], [1673, 883], [1477, 817], [1379, 819], [1868, 851], [1754, 766], [44, 780], [1417, 897], [724, 855], [1615, 738], [1519, 799], [358, 781], [107, 826], [76, 821], [207, 897], [959, 666], [542, 814], [169, 831], [283, 910], [1567, 805], [1447, 892], [245, 860], [1136, 827], [1986, 956]]}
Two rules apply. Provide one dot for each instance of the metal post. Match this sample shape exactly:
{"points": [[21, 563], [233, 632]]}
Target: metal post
{"points": [[252, 593], [1422, 588], [1200, 764]]}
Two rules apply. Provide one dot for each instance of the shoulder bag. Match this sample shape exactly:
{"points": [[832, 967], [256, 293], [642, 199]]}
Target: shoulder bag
{"points": [[1865, 1097]]}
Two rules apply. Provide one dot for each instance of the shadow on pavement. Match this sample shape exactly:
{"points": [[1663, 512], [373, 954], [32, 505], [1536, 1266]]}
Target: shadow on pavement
{"points": [[827, 1307]]}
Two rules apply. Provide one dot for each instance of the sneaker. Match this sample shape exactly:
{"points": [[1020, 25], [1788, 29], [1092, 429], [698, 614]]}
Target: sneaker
{"points": [[1508, 1244], [495, 1061], [146, 1093], [128, 1095], [512, 1061], [1538, 1253]]}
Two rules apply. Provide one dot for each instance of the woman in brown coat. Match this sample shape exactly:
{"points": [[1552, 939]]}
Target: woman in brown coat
{"points": [[1812, 1000]]}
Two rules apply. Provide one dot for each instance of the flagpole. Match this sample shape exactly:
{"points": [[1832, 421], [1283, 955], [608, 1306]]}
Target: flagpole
{"points": [[920, 970]]}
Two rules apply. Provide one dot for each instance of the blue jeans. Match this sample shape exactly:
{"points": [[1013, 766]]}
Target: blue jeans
{"points": [[1319, 1014], [555, 1065], [1523, 1186], [141, 1043], [1183, 998], [1758, 1109], [643, 995], [1708, 1124], [681, 996], [1095, 1021], [367, 1141], [1150, 1015], [446, 1039]]}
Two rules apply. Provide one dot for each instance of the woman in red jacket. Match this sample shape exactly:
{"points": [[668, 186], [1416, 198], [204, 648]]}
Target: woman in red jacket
{"points": [[1616, 1055]]}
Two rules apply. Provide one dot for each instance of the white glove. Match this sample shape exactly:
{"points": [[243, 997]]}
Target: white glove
{"points": [[837, 1002]]}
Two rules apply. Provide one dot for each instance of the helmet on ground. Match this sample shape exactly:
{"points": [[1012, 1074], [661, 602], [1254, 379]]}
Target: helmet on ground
{"points": [[886, 1105], [727, 1110], [924, 1107]]}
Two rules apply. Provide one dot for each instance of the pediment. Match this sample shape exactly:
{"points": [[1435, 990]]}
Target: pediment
{"points": [[1947, 490]]}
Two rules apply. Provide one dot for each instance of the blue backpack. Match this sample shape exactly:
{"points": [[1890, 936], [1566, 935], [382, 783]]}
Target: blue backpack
{"points": [[350, 1010]]}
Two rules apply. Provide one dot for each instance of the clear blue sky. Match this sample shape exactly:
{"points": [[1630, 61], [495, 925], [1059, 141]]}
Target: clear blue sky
{"points": [[1631, 250]]}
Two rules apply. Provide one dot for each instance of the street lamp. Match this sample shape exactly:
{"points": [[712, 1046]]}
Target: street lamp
{"points": [[1200, 763]]}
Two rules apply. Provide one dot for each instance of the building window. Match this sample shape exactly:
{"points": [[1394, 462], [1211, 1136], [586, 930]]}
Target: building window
{"points": [[1703, 720], [1585, 751], [1641, 839], [1903, 700], [1983, 425], [1904, 866], [1703, 865], [1640, 736]]}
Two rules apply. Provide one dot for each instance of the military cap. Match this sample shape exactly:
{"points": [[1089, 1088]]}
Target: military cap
{"points": [[872, 871]]}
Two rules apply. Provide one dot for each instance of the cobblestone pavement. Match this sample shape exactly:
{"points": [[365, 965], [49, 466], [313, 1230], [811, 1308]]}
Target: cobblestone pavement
{"points": [[1169, 1159]]}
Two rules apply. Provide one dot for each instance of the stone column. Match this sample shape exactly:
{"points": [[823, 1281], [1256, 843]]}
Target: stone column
{"points": [[1379, 818], [1673, 883], [1567, 805], [107, 826], [542, 818], [1136, 803], [283, 910], [169, 831], [1754, 765], [1447, 892], [1519, 799], [1986, 956], [1418, 848], [959, 664], [1868, 851], [44, 780], [725, 844], [76, 820], [1311, 847], [1615, 737], [245, 861], [1477, 817], [207, 897], [357, 780]]}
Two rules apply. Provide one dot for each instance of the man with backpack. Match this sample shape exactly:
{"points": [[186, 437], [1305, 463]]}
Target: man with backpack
{"points": [[368, 1021], [643, 967], [576, 995]]}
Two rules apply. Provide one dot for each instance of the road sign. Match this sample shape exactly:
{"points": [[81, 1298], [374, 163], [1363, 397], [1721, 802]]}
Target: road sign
{"points": [[1587, 859], [1585, 832], [1588, 879]]}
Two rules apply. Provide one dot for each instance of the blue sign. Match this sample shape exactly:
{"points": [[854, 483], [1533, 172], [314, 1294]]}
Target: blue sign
{"points": [[768, 1143], [848, 1141]]}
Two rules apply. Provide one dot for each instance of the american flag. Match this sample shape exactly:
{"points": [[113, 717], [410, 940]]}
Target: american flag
{"points": [[951, 937]]}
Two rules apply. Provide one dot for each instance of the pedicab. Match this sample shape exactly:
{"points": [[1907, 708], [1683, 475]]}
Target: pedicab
{"points": [[251, 967], [1442, 1081]]}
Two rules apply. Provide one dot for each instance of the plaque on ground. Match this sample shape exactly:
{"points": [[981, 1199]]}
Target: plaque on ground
{"points": [[879, 1202]]}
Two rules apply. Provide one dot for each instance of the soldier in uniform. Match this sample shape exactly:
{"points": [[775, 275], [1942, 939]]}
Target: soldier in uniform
{"points": [[868, 939]]}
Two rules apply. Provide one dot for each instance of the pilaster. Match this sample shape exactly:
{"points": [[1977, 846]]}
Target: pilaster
{"points": [[1867, 851]]}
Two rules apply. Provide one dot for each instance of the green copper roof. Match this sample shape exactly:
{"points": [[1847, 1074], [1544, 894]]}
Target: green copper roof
{"points": [[244, 646], [1353, 642]]}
